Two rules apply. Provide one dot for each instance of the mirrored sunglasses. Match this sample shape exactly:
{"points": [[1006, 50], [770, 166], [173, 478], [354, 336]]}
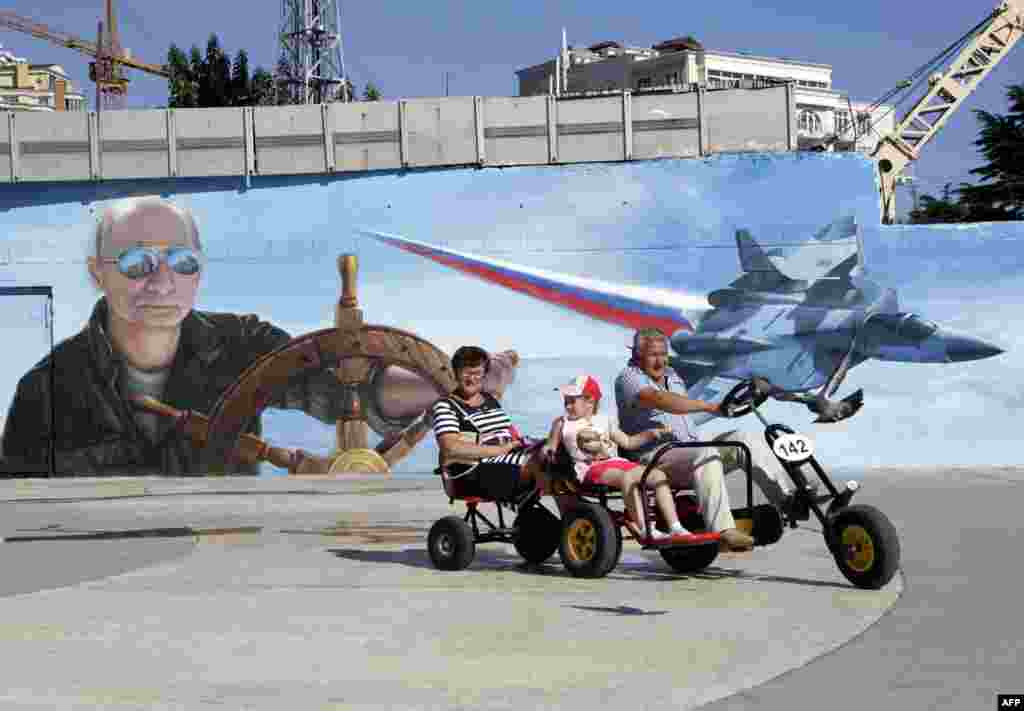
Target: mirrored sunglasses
{"points": [[139, 262]]}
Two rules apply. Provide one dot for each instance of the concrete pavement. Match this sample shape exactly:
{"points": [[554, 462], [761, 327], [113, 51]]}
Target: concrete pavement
{"points": [[254, 593]]}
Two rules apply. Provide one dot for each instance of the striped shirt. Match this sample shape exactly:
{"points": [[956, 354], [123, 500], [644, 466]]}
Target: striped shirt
{"points": [[486, 424], [634, 417], [487, 420]]}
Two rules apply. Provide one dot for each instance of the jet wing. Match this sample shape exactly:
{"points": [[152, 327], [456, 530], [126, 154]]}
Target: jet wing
{"points": [[628, 305]]}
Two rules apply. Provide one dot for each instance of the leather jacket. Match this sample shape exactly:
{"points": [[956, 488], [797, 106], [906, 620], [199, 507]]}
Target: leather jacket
{"points": [[96, 431]]}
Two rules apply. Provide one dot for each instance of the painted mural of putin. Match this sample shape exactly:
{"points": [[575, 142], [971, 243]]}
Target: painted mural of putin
{"points": [[144, 337]]}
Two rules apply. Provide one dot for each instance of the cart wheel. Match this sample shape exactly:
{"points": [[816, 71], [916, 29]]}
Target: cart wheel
{"points": [[865, 545], [589, 545], [450, 544], [538, 532], [768, 525], [691, 558]]}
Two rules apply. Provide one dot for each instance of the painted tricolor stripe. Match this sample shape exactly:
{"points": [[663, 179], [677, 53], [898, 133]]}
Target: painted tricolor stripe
{"points": [[626, 305]]}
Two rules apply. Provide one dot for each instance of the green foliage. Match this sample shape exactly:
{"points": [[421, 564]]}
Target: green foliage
{"points": [[999, 195], [371, 92], [211, 79], [932, 210]]}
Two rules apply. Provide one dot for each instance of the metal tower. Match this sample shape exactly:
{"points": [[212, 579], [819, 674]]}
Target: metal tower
{"points": [[111, 83], [311, 69]]}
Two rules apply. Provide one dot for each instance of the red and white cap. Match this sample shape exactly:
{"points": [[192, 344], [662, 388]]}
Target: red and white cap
{"points": [[581, 385]]}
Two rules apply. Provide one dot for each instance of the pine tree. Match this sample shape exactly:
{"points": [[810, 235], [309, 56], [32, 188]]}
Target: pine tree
{"points": [[181, 92], [262, 87], [1000, 193], [197, 74], [241, 91]]}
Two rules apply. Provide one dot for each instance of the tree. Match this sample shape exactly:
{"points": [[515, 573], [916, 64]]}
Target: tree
{"points": [[180, 88], [937, 210], [197, 74], [262, 86], [371, 92], [241, 90], [1000, 193]]}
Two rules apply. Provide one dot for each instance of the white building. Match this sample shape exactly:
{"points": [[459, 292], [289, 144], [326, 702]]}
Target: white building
{"points": [[36, 87], [823, 113]]}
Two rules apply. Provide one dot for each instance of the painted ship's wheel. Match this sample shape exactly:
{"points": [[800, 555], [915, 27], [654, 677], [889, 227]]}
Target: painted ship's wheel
{"points": [[358, 358]]}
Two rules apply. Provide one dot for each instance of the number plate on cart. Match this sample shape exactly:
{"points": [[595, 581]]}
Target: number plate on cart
{"points": [[794, 447]]}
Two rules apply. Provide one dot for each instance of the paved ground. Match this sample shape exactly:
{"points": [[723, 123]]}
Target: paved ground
{"points": [[256, 593]]}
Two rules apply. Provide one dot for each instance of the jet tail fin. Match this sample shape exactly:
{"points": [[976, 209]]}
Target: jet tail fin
{"points": [[759, 272], [752, 255]]}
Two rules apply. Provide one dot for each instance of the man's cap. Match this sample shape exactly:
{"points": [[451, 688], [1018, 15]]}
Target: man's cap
{"points": [[581, 385]]}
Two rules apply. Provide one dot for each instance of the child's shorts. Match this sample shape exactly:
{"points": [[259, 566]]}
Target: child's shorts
{"points": [[597, 469]]}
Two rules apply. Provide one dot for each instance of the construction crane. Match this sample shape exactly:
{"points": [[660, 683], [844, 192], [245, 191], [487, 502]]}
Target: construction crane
{"points": [[106, 69], [980, 50]]}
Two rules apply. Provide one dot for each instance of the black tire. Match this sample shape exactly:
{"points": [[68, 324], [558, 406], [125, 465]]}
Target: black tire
{"points": [[768, 525], [865, 545], [450, 544], [589, 545], [690, 559], [538, 532]]}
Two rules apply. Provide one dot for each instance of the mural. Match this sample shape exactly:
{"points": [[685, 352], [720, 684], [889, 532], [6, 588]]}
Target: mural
{"points": [[897, 341]]}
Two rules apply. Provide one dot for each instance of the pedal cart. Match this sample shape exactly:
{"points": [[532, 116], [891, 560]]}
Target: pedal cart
{"points": [[861, 538], [589, 537]]}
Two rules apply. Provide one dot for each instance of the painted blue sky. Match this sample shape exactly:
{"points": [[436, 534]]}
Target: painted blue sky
{"points": [[407, 48], [663, 223]]}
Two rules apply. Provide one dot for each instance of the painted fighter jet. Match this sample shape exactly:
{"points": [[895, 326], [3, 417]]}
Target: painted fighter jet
{"points": [[799, 321]]}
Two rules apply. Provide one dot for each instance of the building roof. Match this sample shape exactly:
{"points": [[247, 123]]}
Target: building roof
{"points": [[761, 58]]}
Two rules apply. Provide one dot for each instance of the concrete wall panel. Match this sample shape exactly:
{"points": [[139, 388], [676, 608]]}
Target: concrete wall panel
{"points": [[289, 140], [742, 120], [590, 130], [440, 131], [210, 142], [365, 135], [5, 146], [52, 145], [133, 144], [665, 125], [515, 130]]}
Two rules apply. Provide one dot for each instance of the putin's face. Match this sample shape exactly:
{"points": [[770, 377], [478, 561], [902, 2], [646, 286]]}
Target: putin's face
{"points": [[162, 298]]}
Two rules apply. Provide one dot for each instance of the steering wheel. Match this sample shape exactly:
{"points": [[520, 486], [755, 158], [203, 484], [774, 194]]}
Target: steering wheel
{"points": [[356, 358], [744, 397]]}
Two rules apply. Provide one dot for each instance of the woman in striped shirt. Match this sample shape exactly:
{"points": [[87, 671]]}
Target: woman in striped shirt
{"points": [[478, 444]]}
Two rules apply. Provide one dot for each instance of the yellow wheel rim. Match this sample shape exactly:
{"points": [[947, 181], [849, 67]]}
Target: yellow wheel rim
{"points": [[582, 540], [859, 548]]}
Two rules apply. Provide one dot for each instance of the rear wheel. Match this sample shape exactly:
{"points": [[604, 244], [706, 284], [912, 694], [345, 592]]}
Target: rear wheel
{"points": [[450, 544], [538, 532], [690, 559], [590, 546], [865, 545]]}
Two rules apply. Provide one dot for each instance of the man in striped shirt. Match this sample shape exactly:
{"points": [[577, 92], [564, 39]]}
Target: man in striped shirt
{"points": [[478, 445]]}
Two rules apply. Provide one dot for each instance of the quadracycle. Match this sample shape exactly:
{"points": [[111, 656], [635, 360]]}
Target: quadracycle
{"points": [[589, 534]]}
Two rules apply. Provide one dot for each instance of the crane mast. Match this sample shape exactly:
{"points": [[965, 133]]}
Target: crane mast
{"points": [[947, 90], [108, 57]]}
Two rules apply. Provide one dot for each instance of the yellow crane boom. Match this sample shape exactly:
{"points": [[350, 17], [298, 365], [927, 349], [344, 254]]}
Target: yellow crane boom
{"points": [[17, 23], [984, 49]]}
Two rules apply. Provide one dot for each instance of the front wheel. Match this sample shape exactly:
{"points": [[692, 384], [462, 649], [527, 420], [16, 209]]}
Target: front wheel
{"points": [[865, 545], [590, 546], [450, 544]]}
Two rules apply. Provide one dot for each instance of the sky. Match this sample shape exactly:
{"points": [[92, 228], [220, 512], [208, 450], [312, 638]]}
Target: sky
{"points": [[668, 224], [407, 49]]}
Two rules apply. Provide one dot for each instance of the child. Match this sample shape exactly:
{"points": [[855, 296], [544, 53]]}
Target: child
{"points": [[591, 439]]}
